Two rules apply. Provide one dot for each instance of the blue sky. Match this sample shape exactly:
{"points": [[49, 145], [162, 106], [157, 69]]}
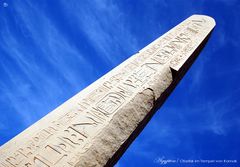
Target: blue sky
{"points": [[50, 50]]}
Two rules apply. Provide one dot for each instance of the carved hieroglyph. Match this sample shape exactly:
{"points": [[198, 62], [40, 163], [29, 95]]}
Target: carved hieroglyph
{"points": [[95, 127]]}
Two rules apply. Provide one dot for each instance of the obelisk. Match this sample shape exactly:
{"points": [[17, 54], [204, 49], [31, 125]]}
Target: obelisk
{"points": [[96, 126]]}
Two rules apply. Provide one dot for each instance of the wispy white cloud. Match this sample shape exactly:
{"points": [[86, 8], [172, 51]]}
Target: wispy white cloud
{"points": [[173, 124], [57, 50], [33, 81], [106, 28], [212, 117]]}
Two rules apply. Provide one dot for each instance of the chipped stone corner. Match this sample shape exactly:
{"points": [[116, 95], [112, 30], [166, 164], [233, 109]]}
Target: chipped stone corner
{"points": [[126, 124], [118, 134], [96, 126]]}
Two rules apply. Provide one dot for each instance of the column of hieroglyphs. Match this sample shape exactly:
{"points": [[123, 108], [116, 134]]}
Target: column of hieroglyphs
{"points": [[94, 127]]}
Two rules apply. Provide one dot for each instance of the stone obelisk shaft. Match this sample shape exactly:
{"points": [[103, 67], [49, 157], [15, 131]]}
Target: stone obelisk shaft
{"points": [[96, 126]]}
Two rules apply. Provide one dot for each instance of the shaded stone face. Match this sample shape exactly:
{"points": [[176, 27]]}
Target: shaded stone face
{"points": [[96, 126]]}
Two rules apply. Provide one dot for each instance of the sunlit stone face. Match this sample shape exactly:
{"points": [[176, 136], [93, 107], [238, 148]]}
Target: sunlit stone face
{"points": [[93, 127]]}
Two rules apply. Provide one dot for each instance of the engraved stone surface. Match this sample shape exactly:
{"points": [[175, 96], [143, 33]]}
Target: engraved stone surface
{"points": [[96, 126]]}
